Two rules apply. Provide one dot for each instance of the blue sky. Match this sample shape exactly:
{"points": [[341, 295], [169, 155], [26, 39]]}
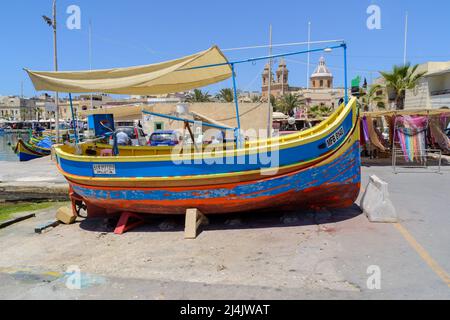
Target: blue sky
{"points": [[137, 32]]}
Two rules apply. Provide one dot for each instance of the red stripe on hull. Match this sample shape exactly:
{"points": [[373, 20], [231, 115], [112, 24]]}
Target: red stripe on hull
{"points": [[328, 196]]}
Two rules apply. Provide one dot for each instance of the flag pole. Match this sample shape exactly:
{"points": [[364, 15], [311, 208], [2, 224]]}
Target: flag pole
{"points": [[406, 40]]}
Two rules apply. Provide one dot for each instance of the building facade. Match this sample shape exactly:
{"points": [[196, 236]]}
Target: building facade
{"points": [[14, 108], [433, 90], [321, 91]]}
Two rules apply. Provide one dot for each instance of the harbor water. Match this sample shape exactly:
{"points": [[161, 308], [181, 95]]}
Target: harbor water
{"points": [[7, 143]]}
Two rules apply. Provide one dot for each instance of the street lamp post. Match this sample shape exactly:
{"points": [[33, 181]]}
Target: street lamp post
{"points": [[52, 23]]}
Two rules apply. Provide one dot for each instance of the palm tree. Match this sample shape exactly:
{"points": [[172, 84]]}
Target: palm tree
{"points": [[198, 96], [288, 103], [226, 95], [319, 111], [400, 79], [371, 97]]}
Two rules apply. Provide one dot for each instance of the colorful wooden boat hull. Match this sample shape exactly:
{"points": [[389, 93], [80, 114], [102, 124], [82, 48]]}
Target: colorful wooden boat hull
{"points": [[320, 170], [331, 184], [27, 152]]}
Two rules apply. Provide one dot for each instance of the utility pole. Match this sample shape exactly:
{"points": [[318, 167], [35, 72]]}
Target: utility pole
{"points": [[55, 48], [309, 55], [269, 89], [406, 40], [90, 58]]}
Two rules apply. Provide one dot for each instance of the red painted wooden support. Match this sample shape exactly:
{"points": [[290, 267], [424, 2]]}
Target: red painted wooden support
{"points": [[76, 200], [123, 226]]}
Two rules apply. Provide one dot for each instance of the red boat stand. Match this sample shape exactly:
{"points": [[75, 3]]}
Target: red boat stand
{"points": [[124, 226]]}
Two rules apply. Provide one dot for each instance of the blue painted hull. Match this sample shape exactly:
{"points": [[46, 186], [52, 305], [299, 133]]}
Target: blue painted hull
{"points": [[24, 157]]}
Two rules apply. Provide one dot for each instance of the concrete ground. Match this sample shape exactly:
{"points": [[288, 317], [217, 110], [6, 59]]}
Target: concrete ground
{"points": [[275, 256], [33, 180]]}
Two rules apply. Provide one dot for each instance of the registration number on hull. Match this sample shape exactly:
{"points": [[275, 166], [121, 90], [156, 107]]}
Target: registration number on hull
{"points": [[104, 169], [336, 137]]}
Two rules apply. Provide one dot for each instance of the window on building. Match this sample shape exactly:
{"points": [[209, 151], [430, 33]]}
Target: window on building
{"points": [[329, 83], [321, 83], [159, 126]]}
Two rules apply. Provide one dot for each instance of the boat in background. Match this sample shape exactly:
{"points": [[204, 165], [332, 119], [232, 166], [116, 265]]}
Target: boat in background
{"points": [[29, 151]]}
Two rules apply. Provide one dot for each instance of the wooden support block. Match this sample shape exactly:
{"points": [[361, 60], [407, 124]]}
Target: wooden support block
{"points": [[42, 228], [66, 215], [194, 219]]}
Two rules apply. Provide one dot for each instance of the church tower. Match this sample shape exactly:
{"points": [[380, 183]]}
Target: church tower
{"points": [[322, 78], [282, 81], [265, 78]]}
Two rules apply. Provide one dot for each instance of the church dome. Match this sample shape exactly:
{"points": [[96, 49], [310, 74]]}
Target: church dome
{"points": [[322, 70]]}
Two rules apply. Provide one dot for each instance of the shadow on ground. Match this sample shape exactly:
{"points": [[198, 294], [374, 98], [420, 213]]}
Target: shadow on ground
{"points": [[251, 220]]}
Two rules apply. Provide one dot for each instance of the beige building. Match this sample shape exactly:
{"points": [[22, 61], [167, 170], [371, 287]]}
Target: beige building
{"points": [[321, 91], [17, 109], [433, 90]]}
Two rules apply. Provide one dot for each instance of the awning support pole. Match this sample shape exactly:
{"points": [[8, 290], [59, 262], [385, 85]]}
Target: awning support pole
{"points": [[73, 119], [345, 73], [236, 102]]}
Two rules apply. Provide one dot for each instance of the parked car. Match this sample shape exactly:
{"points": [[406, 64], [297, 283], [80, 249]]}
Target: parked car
{"points": [[164, 138], [136, 135]]}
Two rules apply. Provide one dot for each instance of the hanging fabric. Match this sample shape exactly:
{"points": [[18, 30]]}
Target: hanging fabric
{"points": [[373, 136], [365, 129], [439, 136], [411, 132]]}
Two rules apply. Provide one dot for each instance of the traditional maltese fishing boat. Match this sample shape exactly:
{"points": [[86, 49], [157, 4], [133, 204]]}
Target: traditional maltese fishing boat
{"points": [[319, 167], [27, 151]]}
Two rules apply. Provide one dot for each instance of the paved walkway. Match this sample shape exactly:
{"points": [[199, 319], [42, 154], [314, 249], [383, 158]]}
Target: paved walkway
{"points": [[309, 256], [34, 180]]}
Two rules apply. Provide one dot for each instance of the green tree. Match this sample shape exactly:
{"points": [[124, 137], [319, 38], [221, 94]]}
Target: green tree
{"points": [[319, 111], [400, 79], [371, 98], [226, 95], [288, 103], [198, 96]]}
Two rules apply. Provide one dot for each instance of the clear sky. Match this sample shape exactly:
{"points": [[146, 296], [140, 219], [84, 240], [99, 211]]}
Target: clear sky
{"points": [[134, 32]]}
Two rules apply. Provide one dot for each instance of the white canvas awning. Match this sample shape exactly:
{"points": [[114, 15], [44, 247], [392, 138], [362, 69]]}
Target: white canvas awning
{"points": [[161, 78]]}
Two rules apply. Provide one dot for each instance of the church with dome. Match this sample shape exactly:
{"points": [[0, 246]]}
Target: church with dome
{"points": [[321, 89]]}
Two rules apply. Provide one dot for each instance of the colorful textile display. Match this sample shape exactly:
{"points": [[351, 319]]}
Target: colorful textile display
{"points": [[411, 133]]}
